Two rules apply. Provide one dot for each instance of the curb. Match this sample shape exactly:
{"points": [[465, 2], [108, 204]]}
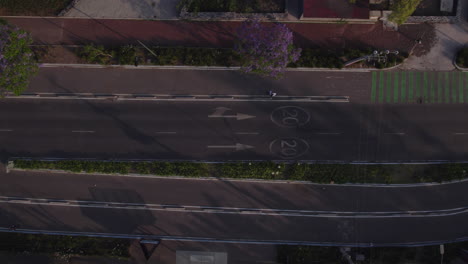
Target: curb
{"points": [[454, 61], [155, 239], [318, 21], [10, 167], [179, 97], [201, 68]]}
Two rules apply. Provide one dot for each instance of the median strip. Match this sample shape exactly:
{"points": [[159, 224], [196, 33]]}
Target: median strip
{"points": [[316, 173]]}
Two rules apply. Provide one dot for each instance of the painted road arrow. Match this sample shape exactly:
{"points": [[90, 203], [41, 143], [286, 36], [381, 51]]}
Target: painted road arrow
{"points": [[237, 147], [219, 113]]}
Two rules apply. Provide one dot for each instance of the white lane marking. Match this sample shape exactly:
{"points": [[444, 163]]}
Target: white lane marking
{"points": [[397, 133], [233, 210], [460, 134], [334, 77], [6, 130], [328, 133], [247, 133], [83, 131], [166, 132]]}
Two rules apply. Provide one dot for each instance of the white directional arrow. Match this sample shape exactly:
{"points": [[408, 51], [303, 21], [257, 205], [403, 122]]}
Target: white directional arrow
{"points": [[219, 113], [237, 147]]}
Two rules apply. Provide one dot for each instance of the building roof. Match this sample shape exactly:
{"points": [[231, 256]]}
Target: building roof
{"points": [[336, 9]]}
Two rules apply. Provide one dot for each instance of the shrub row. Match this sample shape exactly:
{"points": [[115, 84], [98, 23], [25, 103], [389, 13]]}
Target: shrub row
{"points": [[238, 6], [87, 246], [319, 173], [462, 57], [128, 55]]}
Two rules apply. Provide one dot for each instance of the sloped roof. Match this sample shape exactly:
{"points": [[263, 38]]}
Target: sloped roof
{"points": [[336, 9]]}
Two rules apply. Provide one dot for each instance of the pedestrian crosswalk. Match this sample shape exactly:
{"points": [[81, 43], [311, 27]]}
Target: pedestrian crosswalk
{"points": [[419, 87]]}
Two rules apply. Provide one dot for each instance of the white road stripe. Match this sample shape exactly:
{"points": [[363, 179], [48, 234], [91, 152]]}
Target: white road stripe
{"points": [[83, 131], [166, 132], [6, 130], [233, 210]]}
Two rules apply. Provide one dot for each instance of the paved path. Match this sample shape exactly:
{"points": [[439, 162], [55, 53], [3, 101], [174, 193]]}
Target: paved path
{"points": [[210, 34], [125, 9], [440, 50]]}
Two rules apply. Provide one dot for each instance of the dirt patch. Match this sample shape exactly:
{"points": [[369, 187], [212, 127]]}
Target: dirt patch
{"points": [[57, 54], [423, 37]]}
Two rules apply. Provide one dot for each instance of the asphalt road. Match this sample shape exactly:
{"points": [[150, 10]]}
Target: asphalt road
{"points": [[233, 130], [132, 206]]}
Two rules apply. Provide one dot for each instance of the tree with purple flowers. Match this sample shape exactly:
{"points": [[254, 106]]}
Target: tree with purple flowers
{"points": [[265, 49], [17, 63]]}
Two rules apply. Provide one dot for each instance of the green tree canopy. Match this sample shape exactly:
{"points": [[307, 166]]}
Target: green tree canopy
{"points": [[17, 62], [402, 9]]}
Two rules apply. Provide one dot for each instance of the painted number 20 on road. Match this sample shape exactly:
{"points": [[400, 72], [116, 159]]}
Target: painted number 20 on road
{"points": [[289, 148]]}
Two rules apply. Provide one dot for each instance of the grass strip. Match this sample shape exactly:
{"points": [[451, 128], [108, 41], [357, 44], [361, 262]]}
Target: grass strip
{"points": [[389, 87], [454, 88], [410, 86], [319, 173], [433, 78], [64, 245], [374, 86], [461, 97], [381, 87], [426, 85], [447, 88], [395, 88], [403, 87]]}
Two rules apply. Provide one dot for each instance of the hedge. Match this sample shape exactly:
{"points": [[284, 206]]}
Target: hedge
{"points": [[75, 245], [193, 56], [462, 57], [319, 173]]}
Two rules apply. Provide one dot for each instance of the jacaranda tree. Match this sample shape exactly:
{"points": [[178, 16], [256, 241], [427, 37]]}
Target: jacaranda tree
{"points": [[17, 63], [265, 49]]}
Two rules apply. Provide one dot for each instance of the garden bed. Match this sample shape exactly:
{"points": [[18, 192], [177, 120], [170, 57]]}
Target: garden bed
{"points": [[236, 6], [462, 58], [32, 7], [318, 173], [186, 56], [64, 245]]}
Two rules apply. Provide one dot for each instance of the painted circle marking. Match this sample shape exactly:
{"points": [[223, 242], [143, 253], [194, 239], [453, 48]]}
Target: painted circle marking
{"points": [[289, 148], [290, 116]]}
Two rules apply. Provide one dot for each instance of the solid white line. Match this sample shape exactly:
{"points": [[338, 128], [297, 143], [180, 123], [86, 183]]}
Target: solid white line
{"points": [[6, 130], [247, 133], [166, 132], [236, 210], [82, 131]]}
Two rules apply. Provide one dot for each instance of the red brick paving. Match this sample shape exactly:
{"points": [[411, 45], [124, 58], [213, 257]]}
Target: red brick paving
{"points": [[209, 34]]}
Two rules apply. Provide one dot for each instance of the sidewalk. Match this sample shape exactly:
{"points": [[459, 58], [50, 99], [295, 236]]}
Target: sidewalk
{"points": [[69, 31], [443, 46]]}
